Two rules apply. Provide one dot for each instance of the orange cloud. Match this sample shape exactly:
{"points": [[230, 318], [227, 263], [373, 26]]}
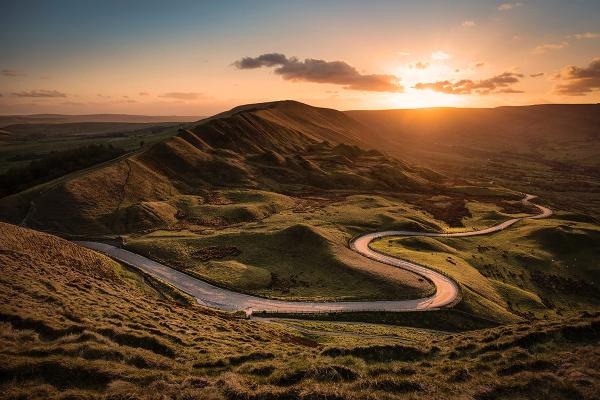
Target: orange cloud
{"points": [[508, 6], [421, 65], [541, 49], [40, 93], [578, 81], [13, 73], [586, 35], [498, 84], [321, 71], [182, 95]]}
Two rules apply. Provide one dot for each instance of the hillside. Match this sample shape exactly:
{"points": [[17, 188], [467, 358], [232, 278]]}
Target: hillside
{"points": [[551, 150], [241, 200], [282, 146], [520, 129], [75, 324]]}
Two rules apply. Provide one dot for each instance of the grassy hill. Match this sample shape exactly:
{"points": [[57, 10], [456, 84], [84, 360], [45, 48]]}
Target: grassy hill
{"points": [[255, 179], [75, 324], [551, 150], [282, 147]]}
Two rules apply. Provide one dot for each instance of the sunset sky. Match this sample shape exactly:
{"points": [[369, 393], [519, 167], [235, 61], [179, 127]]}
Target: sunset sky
{"points": [[189, 58]]}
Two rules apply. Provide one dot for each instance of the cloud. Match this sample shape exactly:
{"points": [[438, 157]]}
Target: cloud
{"points": [[498, 84], [40, 93], [509, 90], [440, 55], [72, 103], [321, 71], [586, 35], [182, 95], [508, 6], [468, 24], [536, 75], [403, 53], [577, 81], [144, 94], [421, 65], [541, 49], [479, 64], [13, 73]]}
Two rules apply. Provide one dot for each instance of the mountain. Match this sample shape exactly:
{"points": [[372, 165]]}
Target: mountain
{"points": [[280, 146]]}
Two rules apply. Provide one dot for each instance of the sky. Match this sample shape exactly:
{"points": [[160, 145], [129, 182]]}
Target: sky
{"points": [[198, 58]]}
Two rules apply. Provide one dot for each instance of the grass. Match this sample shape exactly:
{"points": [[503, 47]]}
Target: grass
{"points": [[296, 247], [296, 262], [28, 142], [535, 268], [73, 323]]}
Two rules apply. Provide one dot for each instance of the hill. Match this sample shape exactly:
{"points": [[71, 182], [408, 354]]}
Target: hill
{"points": [[283, 146], [521, 128], [75, 324], [249, 189], [551, 150]]}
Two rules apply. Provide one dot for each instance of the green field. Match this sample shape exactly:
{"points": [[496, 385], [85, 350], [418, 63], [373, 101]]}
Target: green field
{"points": [[19, 144], [286, 247], [537, 268]]}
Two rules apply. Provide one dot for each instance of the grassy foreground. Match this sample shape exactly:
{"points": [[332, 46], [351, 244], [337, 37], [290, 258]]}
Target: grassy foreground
{"points": [[74, 324]]}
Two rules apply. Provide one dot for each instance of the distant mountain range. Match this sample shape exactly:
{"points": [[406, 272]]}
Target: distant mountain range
{"points": [[6, 120]]}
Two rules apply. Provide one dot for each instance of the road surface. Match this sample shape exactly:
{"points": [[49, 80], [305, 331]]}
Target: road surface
{"points": [[447, 290]]}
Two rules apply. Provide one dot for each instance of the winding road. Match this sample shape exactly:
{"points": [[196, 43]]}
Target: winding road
{"points": [[447, 290]]}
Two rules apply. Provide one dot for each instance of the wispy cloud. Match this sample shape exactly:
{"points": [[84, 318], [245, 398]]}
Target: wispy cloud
{"points": [[578, 81], [468, 24], [440, 55], [497, 84], [182, 95], [72, 103], [420, 65], [13, 73], [403, 53], [509, 6], [321, 71], [536, 75], [480, 64], [543, 48], [586, 35], [40, 93], [144, 94]]}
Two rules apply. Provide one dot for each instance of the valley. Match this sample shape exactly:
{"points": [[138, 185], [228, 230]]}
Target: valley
{"points": [[282, 210]]}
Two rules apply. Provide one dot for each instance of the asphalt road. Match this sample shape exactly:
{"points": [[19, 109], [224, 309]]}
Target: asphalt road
{"points": [[447, 290]]}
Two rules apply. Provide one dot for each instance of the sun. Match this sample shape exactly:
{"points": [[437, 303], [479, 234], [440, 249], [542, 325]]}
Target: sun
{"points": [[414, 98]]}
